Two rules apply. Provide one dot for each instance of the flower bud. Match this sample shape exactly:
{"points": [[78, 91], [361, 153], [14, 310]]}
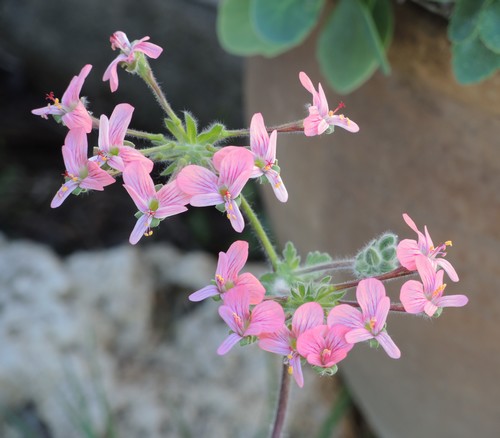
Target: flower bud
{"points": [[377, 257]]}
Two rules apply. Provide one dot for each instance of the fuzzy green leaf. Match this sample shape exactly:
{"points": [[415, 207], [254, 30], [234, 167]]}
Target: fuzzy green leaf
{"points": [[317, 258], [472, 61], [353, 43], [176, 130], [290, 257], [489, 26], [285, 22], [464, 19], [191, 127], [211, 134], [236, 33]]}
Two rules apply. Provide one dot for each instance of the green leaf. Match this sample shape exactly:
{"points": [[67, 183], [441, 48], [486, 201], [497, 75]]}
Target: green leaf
{"points": [[169, 169], [211, 134], [176, 130], [236, 33], [464, 19], [191, 127], [286, 22], [317, 258], [489, 26], [353, 42], [291, 259], [472, 61]]}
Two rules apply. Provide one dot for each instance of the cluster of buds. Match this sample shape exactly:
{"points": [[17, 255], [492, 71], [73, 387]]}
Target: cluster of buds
{"points": [[295, 311]]}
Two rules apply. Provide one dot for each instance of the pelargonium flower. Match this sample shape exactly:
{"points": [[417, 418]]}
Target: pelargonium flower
{"points": [[369, 322], [206, 188], [324, 346], [427, 296], [154, 205], [128, 55], [226, 276], [408, 250], [80, 172], [320, 117], [71, 108], [284, 341], [111, 136], [265, 317]]}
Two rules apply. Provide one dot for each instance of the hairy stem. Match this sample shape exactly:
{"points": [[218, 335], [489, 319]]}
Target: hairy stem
{"points": [[261, 233], [395, 307], [396, 273], [335, 265], [279, 419]]}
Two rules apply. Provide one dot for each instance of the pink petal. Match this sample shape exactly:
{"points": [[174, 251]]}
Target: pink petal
{"points": [[141, 203], [388, 345], [427, 273], [103, 141], [72, 93], [111, 72], [221, 154], [430, 308], [228, 343], [267, 317], [61, 195], [75, 151], [320, 102], [345, 315], [169, 210], [406, 251], [238, 301], [206, 292], [118, 123], [277, 342], [297, 370], [278, 187], [197, 180], [129, 155], [311, 342], [412, 297], [253, 287], [206, 199], [236, 257], [307, 316], [259, 138], [381, 314], [358, 335], [77, 118], [307, 83], [447, 266], [369, 293], [97, 178], [409, 221], [235, 217], [171, 194], [140, 228], [343, 122], [452, 301], [46, 110], [235, 170], [149, 49], [314, 124], [137, 177], [270, 155]]}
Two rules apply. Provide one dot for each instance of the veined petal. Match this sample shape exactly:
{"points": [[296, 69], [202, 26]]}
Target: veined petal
{"points": [[206, 292], [307, 316], [97, 178], [447, 266], [141, 203], [149, 49], [407, 251], [206, 199], [314, 124], [171, 194], [267, 317], [75, 150], [235, 170], [278, 186], [381, 314], [46, 110], [103, 140], [311, 342], [140, 228], [427, 273], [136, 176], [111, 72], [297, 370], [235, 217], [221, 154], [451, 301], [343, 122], [259, 138], [277, 342], [409, 221], [228, 343], [169, 210], [238, 301], [345, 315], [72, 93], [388, 345], [236, 257], [197, 180], [358, 335], [118, 123], [369, 293], [412, 297], [270, 154], [253, 286], [320, 102], [65, 190], [78, 117], [307, 83], [430, 308]]}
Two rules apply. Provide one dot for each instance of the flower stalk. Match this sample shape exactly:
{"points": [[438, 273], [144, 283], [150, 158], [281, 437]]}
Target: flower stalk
{"points": [[284, 393]]}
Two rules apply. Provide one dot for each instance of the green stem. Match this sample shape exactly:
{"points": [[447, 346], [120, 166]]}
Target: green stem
{"points": [[335, 265], [261, 234], [146, 135], [160, 148], [148, 77]]}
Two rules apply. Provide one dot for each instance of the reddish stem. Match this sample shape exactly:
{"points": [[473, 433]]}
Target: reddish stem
{"points": [[279, 420]]}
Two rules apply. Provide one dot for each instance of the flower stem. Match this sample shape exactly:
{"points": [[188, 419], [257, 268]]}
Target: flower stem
{"points": [[335, 265], [148, 77], [395, 307], [261, 234], [396, 273], [279, 420], [160, 148], [146, 135]]}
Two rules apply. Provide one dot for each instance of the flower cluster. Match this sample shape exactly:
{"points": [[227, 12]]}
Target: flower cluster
{"points": [[295, 311]]}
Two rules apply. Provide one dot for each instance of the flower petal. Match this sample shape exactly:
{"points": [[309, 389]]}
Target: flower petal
{"points": [[118, 123], [388, 345], [197, 180], [206, 292], [228, 343], [140, 228], [412, 297], [307, 316], [267, 317]]}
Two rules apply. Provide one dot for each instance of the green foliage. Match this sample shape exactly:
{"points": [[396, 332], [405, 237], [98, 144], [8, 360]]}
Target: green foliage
{"points": [[377, 257], [191, 127], [211, 135], [356, 36], [475, 33], [285, 22], [353, 42], [237, 34]]}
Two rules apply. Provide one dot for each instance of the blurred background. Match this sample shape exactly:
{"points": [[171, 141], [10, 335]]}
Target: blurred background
{"points": [[98, 337]]}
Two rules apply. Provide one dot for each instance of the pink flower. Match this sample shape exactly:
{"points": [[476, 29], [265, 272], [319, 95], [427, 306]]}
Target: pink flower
{"points": [[320, 117], [324, 346], [427, 296], [154, 205], [128, 55], [408, 250], [206, 188], [111, 136], [370, 321], [80, 172], [226, 276], [266, 317], [71, 108], [284, 341]]}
